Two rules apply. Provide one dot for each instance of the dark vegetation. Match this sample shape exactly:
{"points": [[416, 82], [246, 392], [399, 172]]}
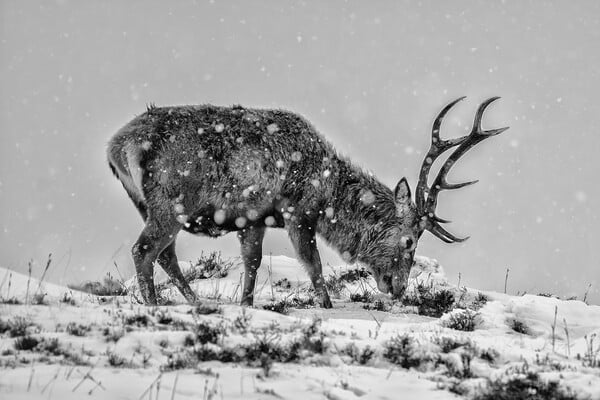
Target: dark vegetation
{"points": [[283, 306], [524, 386], [76, 329], [266, 347], [109, 286], [463, 320], [336, 283], [207, 266], [429, 301], [518, 326], [362, 297]]}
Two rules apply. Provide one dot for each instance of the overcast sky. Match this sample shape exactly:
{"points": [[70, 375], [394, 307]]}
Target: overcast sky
{"points": [[371, 76]]}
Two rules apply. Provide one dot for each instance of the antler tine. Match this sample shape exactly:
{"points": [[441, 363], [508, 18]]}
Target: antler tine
{"points": [[437, 147], [477, 135], [435, 130], [426, 207], [444, 235], [479, 116]]}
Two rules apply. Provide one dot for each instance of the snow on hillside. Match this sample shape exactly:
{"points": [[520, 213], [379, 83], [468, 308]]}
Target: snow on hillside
{"points": [[78, 344]]}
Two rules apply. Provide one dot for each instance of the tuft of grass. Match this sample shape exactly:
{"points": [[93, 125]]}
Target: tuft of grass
{"points": [[283, 283], [364, 297], [480, 301], [76, 329], [448, 344], [241, 323], [110, 286], [357, 355], [431, 302], [19, 326], [137, 319], [266, 348], [112, 333], [378, 305], [591, 357], [518, 326], [283, 306], [402, 350], [39, 299], [548, 294], [204, 333], [67, 298], [461, 320], [335, 283], [206, 309], [10, 301], [26, 343], [528, 386], [117, 361], [208, 266]]}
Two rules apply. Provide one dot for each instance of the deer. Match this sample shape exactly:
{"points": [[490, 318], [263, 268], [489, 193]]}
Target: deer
{"points": [[212, 170]]}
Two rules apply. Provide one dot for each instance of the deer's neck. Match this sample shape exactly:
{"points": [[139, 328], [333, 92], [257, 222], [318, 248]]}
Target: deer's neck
{"points": [[355, 204]]}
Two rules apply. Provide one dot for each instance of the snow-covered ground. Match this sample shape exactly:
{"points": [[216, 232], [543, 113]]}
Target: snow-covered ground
{"points": [[115, 348]]}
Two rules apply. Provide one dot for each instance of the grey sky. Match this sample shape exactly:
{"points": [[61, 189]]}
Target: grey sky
{"points": [[371, 76]]}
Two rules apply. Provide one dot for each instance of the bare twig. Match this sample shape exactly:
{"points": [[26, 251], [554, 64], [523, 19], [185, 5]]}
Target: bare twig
{"points": [[554, 328], [149, 388], [174, 386], [568, 341], [586, 293], [157, 388], [30, 265], [44, 273], [271, 275], [9, 285], [4, 279], [31, 376], [506, 280], [51, 380]]}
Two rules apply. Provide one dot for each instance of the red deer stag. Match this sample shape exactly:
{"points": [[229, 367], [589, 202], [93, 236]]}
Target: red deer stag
{"points": [[211, 170]]}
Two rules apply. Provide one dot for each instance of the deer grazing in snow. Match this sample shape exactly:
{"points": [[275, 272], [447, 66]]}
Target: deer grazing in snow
{"points": [[211, 170]]}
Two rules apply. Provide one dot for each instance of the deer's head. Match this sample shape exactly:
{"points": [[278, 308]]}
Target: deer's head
{"points": [[394, 242]]}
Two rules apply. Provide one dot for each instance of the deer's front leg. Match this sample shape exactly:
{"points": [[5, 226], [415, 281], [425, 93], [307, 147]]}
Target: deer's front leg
{"points": [[251, 246], [304, 242]]}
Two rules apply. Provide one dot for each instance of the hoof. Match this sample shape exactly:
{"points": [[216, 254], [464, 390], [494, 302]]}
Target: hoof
{"points": [[326, 303]]}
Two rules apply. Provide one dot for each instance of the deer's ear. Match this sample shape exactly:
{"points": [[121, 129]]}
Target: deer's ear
{"points": [[402, 192]]}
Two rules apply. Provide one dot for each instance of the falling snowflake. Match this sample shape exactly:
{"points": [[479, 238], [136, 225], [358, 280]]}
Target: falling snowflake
{"points": [[240, 222], [269, 221], [367, 197], [252, 215], [219, 217]]}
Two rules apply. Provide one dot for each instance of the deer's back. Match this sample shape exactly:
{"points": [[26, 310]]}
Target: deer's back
{"points": [[204, 158]]}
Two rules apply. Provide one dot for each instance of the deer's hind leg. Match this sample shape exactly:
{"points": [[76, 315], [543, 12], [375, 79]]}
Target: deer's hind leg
{"points": [[167, 259], [156, 236]]}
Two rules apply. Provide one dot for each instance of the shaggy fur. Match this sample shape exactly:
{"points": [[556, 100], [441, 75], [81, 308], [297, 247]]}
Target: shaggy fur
{"points": [[211, 170]]}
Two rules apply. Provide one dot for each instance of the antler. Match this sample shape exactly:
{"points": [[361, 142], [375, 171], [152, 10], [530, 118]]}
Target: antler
{"points": [[426, 197]]}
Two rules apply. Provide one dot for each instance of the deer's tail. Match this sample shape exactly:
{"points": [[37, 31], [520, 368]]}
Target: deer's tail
{"points": [[124, 162]]}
